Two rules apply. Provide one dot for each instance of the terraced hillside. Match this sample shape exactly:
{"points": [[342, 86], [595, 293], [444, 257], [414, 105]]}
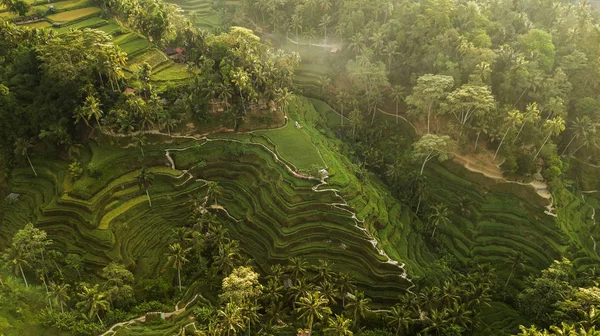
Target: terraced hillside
{"points": [[201, 12], [273, 212]]}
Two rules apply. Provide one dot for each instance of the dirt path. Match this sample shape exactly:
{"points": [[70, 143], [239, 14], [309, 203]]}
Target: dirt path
{"points": [[142, 319], [481, 163]]}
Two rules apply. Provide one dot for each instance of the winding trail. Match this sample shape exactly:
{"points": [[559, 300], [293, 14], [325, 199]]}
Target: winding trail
{"points": [[341, 205], [142, 319]]}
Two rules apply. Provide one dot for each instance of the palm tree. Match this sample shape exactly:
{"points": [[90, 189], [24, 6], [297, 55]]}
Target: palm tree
{"points": [[531, 115], [92, 108], [581, 128], [59, 294], [181, 235], [231, 318], [389, 51], [311, 307], [553, 127], [310, 35], [22, 147], [397, 94], [302, 288], [178, 255], [227, 258], [357, 306], [346, 285], [325, 21], [93, 301], [16, 259], [342, 98], [214, 191], [297, 267], [338, 326], [377, 42], [437, 322], [140, 141], [516, 262], [329, 291], [296, 24], [439, 216], [398, 318], [514, 118], [357, 43], [145, 180], [323, 270]]}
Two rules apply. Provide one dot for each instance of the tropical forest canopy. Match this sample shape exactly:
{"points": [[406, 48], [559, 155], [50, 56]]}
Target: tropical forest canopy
{"points": [[299, 167]]}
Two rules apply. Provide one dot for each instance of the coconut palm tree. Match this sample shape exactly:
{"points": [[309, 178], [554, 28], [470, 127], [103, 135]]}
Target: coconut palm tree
{"points": [[92, 301], [181, 235], [177, 255], [397, 94], [552, 127], [22, 147], [357, 306], [338, 326], [346, 285], [323, 270], [297, 267], [389, 51], [15, 257], [325, 21], [93, 109], [531, 115], [145, 180], [311, 307], [437, 321], [329, 291], [140, 141], [227, 258], [59, 294], [439, 216], [342, 98], [302, 288], [214, 191], [516, 262], [398, 319], [514, 118], [581, 128]]}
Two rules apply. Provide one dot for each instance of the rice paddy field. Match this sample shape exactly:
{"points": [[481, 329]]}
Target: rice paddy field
{"points": [[201, 12]]}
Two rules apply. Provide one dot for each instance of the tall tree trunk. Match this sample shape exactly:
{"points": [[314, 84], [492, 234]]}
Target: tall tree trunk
{"points": [[573, 138], [374, 111], [23, 274], [148, 195], [501, 141], [512, 271], [99, 319], [62, 308], [544, 144], [477, 140], [519, 132], [34, 173], [396, 112], [179, 277], [435, 228]]}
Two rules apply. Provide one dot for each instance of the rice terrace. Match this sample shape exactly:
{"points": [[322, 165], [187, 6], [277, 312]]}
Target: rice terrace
{"points": [[299, 167]]}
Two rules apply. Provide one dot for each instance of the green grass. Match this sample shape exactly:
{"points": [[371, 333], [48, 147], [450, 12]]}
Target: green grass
{"points": [[74, 14], [295, 145], [41, 24], [173, 72]]}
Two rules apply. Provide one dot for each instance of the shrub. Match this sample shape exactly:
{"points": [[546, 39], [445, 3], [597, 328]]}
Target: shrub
{"points": [[75, 170]]}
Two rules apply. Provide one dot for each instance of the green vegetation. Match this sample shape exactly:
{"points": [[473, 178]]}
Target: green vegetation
{"points": [[270, 167]]}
